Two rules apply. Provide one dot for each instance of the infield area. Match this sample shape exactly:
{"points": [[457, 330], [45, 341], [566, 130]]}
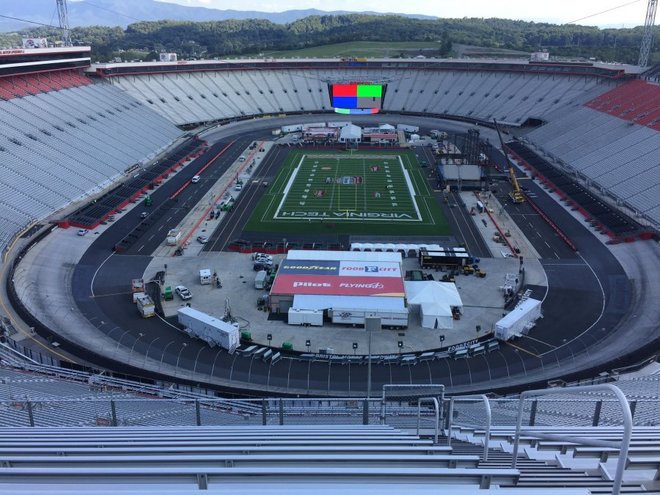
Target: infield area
{"points": [[366, 192]]}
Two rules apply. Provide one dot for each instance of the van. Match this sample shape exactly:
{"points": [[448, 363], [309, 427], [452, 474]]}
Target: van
{"points": [[195, 179]]}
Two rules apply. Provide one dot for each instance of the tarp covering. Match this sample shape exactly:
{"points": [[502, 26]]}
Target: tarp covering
{"points": [[435, 301]]}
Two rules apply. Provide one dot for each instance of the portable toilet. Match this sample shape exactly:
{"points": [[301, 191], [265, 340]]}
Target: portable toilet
{"points": [[167, 293]]}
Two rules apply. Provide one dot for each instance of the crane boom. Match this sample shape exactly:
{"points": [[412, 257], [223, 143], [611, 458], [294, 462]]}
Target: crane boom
{"points": [[516, 193], [63, 15]]}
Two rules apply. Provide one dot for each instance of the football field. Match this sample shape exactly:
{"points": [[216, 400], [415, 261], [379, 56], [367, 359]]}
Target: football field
{"points": [[371, 192]]}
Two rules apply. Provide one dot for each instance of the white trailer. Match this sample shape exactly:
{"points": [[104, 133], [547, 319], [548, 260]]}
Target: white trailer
{"points": [[397, 318], [306, 317], [292, 128], [209, 329], [519, 321], [407, 128], [312, 125], [338, 124]]}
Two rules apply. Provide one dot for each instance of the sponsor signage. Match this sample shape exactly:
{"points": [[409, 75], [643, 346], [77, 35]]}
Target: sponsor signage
{"points": [[338, 286], [381, 269], [332, 277]]}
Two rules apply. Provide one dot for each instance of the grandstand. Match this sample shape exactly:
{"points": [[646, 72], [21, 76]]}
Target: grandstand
{"points": [[74, 432], [612, 142], [480, 91], [54, 146], [65, 136]]}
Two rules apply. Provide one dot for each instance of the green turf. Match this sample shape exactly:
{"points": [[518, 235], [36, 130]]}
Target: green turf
{"points": [[339, 192]]}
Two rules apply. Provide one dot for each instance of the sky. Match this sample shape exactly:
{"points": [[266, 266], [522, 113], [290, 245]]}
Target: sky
{"points": [[630, 13]]}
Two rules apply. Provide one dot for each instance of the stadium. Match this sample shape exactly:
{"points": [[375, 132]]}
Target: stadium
{"points": [[397, 213]]}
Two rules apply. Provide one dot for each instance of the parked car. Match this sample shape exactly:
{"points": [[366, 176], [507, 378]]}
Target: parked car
{"points": [[202, 239], [82, 232], [183, 292], [257, 256]]}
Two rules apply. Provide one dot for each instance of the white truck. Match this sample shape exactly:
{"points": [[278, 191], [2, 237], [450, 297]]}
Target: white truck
{"points": [[173, 237], [211, 330], [145, 305], [205, 276], [260, 279]]}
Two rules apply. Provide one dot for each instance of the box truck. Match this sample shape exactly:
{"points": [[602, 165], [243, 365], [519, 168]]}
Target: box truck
{"points": [[145, 305], [173, 237]]}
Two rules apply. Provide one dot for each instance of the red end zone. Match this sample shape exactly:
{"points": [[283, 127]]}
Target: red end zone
{"points": [[338, 286]]}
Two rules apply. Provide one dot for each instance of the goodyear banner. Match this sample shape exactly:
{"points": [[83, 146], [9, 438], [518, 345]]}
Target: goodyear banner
{"points": [[342, 278]]}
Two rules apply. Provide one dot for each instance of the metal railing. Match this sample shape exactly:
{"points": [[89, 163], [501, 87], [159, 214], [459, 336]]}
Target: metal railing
{"points": [[623, 446], [471, 398], [436, 410]]}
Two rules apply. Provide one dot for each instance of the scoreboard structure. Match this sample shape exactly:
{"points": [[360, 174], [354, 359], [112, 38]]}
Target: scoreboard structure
{"points": [[356, 98]]}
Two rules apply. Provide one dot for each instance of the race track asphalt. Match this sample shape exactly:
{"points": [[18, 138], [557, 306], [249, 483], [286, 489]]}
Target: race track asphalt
{"points": [[588, 294]]}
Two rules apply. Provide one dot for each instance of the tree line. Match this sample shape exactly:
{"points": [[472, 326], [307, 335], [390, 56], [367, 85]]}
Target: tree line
{"points": [[253, 36]]}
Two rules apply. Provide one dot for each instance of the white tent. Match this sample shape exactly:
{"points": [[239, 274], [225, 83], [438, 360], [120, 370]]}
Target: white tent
{"points": [[350, 134], [435, 301]]}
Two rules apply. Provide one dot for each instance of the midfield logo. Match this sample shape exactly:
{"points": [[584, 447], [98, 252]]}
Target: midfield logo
{"points": [[343, 214]]}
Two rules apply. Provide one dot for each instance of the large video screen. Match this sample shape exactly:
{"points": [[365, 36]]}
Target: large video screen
{"points": [[357, 97]]}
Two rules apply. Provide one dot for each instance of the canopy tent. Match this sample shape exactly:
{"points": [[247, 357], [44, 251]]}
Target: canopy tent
{"points": [[435, 301]]}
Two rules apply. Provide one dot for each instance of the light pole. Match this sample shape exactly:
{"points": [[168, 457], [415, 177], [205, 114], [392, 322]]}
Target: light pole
{"points": [[183, 346], [147, 353], [140, 335], [163, 354], [308, 343], [400, 344], [355, 346], [442, 339], [119, 341]]}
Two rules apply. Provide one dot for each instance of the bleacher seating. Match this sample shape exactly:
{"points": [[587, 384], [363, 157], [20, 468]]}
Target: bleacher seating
{"points": [[302, 444], [24, 85], [54, 146], [187, 98], [618, 156], [636, 101]]}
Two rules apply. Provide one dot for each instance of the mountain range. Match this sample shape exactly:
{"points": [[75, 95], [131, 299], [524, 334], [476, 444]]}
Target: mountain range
{"points": [[124, 12]]}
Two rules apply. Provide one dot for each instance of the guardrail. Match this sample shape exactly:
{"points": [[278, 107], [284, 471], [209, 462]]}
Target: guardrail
{"points": [[623, 446]]}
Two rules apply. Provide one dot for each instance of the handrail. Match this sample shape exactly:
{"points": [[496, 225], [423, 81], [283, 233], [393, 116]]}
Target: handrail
{"points": [[627, 426], [436, 408], [450, 415], [409, 387]]}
